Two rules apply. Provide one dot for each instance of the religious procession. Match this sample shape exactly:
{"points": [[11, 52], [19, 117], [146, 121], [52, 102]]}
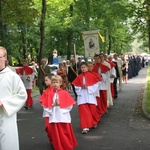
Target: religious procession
{"points": [[73, 74], [95, 84]]}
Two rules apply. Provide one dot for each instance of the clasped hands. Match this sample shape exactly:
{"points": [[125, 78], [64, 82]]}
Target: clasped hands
{"points": [[56, 103]]}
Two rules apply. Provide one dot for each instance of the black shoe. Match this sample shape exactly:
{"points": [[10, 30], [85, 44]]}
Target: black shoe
{"points": [[106, 112], [28, 107], [115, 97]]}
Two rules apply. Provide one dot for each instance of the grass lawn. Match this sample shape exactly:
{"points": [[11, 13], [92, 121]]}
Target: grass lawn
{"points": [[148, 92], [35, 89]]}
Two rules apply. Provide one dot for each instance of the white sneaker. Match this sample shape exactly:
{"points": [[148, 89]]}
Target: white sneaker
{"points": [[85, 131]]}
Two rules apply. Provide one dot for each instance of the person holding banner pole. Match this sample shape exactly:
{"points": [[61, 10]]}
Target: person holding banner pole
{"points": [[72, 74], [75, 56]]}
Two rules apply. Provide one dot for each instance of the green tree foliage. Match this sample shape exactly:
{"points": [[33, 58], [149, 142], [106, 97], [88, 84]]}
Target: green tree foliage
{"points": [[15, 16], [141, 20], [64, 21]]}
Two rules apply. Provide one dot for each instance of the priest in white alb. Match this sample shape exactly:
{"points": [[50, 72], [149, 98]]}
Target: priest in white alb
{"points": [[12, 98]]}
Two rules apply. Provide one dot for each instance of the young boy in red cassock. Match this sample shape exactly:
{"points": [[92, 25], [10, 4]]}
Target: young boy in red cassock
{"points": [[27, 75], [86, 84], [97, 94], [58, 106], [44, 101], [102, 70]]}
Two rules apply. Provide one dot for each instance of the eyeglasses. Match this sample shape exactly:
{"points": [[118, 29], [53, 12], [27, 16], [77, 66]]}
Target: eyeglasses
{"points": [[2, 56]]}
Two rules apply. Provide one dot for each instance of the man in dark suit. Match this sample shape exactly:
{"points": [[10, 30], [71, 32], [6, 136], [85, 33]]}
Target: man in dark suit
{"points": [[115, 80], [72, 74], [44, 69]]}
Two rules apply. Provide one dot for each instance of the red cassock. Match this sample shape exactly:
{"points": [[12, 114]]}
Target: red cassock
{"points": [[112, 84], [61, 135], [28, 71], [97, 98], [44, 99], [87, 112], [102, 101], [112, 90]]}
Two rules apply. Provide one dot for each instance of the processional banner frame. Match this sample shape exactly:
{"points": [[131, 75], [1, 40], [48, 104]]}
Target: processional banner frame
{"points": [[91, 43]]}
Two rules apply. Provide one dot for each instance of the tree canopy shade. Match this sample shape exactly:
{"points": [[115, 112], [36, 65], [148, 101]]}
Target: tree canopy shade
{"points": [[34, 28], [15, 16], [141, 20]]}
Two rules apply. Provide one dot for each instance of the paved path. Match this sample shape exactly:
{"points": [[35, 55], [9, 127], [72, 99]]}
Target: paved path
{"points": [[123, 128]]}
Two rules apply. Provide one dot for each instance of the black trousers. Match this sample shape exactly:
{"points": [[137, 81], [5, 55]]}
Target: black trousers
{"points": [[73, 88], [115, 88]]}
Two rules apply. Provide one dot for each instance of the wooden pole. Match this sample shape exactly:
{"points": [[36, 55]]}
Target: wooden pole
{"points": [[75, 58]]}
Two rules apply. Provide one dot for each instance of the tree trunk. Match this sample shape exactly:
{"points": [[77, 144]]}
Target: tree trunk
{"points": [[147, 3], [69, 41], [104, 44], [109, 45], [149, 26], [2, 28], [42, 31], [69, 38], [149, 35], [24, 42]]}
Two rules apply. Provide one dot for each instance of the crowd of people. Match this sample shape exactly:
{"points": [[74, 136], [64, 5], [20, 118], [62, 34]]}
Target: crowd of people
{"points": [[95, 85]]}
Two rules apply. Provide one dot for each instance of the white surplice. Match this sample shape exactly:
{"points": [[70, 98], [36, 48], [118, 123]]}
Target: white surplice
{"points": [[57, 114], [87, 95], [13, 96], [112, 72], [27, 83]]}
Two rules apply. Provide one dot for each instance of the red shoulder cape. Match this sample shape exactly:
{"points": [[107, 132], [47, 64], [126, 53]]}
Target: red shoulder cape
{"points": [[27, 69], [44, 96], [111, 64], [103, 68], [96, 75], [89, 77], [65, 99]]}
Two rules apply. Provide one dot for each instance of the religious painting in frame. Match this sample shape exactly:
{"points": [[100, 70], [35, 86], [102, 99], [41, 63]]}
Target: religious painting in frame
{"points": [[91, 43]]}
